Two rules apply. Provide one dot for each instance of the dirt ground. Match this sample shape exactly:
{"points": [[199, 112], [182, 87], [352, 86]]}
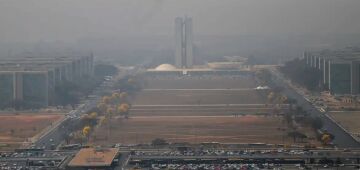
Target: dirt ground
{"points": [[207, 116], [14, 129], [205, 82], [349, 120], [194, 129], [200, 110], [169, 97]]}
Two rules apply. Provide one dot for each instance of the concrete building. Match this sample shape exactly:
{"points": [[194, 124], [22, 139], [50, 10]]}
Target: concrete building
{"points": [[32, 80], [340, 69], [184, 57]]}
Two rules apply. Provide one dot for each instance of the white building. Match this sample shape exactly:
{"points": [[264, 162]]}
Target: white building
{"points": [[183, 43]]}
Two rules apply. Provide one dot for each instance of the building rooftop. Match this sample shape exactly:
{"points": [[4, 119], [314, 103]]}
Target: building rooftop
{"points": [[93, 157]]}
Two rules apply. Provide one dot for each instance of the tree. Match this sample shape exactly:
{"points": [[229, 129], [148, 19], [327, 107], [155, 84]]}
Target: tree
{"points": [[281, 99], [291, 102], [123, 96], [288, 117], [12, 131], [67, 93], [110, 112], [116, 95], [123, 109], [106, 99], [102, 121], [78, 136], [86, 131], [301, 73], [295, 135], [102, 107], [93, 115], [264, 76], [326, 139], [317, 123], [271, 96], [158, 142], [89, 119], [103, 70]]}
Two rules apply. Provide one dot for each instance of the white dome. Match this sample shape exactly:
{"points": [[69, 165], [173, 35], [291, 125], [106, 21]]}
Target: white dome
{"points": [[165, 67]]}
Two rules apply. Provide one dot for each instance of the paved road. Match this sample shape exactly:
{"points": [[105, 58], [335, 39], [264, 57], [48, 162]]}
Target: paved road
{"points": [[342, 139], [228, 89], [57, 135]]}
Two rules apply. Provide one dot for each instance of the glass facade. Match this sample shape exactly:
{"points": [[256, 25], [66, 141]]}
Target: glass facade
{"points": [[6, 89], [35, 89], [340, 78]]}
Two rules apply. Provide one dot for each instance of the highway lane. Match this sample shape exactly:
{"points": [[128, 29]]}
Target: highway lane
{"points": [[342, 138], [55, 136]]}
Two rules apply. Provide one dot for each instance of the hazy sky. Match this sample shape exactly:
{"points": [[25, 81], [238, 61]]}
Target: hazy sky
{"points": [[70, 20]]}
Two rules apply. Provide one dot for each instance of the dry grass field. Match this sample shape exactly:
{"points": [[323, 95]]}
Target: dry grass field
{"points": [[200, 110], [204, 83], [349, 120], [194, 129], [179, 97], [195, 110], [15, 129]]}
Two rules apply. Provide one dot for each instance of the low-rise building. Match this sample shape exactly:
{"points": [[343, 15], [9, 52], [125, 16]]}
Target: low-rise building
{"points": [[94, 158]]}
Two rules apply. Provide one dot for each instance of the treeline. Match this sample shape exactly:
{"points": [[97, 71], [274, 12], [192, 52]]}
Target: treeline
{"points": [[69, 92], [296, 116], [114, 105], [301, 73], [102, 70]]}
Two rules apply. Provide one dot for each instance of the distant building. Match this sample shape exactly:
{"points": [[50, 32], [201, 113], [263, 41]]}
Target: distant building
{"points": [[340, 69], [184, 57], [32, 80]]}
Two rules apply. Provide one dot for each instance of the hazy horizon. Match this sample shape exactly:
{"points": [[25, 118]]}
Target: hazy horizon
{"points": [[70, 21], [126, 28]]}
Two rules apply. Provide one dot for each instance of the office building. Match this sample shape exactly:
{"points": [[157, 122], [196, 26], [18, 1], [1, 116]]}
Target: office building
{"points": [[340, 69], [32, 80], [184, 57]]}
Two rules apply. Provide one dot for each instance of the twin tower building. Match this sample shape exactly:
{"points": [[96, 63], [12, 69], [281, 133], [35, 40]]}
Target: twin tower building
{"points": [[184, 57]]}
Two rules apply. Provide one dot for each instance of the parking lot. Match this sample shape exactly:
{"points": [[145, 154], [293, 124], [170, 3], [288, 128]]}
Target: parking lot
{"points": [[29, 160], [243, 159]]}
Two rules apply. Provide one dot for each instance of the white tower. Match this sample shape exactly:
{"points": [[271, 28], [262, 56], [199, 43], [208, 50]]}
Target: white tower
{"points": [[178, 42], [183, 43], [189, 43]]}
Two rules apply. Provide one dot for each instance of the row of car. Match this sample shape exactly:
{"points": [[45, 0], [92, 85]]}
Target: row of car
{"points": [[215, 166], [221, 152], [30, 154]]}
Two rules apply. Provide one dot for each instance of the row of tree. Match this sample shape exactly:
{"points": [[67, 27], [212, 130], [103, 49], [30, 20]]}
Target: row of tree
{"points": [[301, 73], [300, 116]]}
